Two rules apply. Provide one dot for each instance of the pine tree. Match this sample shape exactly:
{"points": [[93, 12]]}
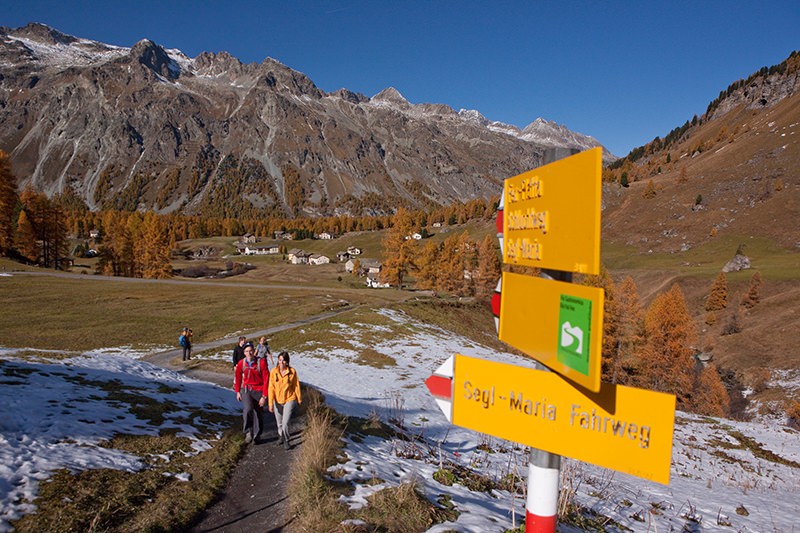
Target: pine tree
{"points": [[489, 267], [25, 238], [631, 332], [667, 362], [8, 204], [718, 297], [710, 397], [753, 294], [156, 248], [399, 249], [428, 266]]}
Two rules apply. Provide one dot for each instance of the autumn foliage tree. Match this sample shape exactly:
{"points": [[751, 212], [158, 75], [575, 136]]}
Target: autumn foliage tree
{"points": [[399, 249], [709, 396], [25, 238], [489, 267], [753, 294], [8, 204], [667, 360], [718, 297]]}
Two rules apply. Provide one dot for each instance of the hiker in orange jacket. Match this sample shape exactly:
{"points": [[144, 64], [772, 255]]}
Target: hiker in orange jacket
{"points": [[284, 394]]}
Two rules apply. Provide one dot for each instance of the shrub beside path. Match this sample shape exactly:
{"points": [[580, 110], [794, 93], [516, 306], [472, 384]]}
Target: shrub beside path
{"points": [[255, 497]]}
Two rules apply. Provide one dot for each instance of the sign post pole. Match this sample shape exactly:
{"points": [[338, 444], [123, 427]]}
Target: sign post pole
{"points": [[544, 468]]}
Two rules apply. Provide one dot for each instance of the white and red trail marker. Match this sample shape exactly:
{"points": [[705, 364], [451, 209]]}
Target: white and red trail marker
{"points": [[440, 384]]}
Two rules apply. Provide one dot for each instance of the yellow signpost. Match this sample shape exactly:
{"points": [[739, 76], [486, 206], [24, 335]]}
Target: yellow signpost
{"points": [[559, 324], [551, 215], [622, 428]]}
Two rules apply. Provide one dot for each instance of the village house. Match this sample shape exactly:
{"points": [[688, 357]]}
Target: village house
{"points": [[262, 250], [437, 224], [325, 236], [297, 256], [249, 238], [282, 235], [368, 266], [341, 257], [354, 250], [94, 234], [316, 259]]}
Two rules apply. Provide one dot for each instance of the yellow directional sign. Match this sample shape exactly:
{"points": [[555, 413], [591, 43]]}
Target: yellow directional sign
{"points": [[551, 215], [559, 324], [621, 428]]}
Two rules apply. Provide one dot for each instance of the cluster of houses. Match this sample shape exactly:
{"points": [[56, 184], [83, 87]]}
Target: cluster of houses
{"points": [[370, 268]]}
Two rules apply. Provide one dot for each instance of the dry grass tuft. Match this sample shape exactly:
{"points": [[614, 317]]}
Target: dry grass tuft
{"points": [[403, 509], [312, 498]]}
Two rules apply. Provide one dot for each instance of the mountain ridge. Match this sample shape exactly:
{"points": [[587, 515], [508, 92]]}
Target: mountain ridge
{"points": [[150, 128]]}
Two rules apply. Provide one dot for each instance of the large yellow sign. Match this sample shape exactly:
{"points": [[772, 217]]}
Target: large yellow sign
{"points": [[621, 428], [559, 324], [551, 215]]}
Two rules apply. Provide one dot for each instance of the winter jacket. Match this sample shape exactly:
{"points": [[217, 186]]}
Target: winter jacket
{"points": [[283, 389], [252, 375]]}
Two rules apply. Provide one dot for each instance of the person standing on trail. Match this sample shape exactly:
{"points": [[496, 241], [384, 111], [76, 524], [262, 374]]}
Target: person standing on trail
{"points": [[284, 394], [251, 383], [238, 351], [186, 343], [262, 351]]}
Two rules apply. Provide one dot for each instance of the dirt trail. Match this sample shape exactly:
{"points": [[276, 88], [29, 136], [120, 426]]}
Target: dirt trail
{"points": [[255, 497]]}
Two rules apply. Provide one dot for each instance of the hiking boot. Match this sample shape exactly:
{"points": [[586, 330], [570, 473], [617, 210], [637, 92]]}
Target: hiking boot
{"points": [[286, 444], [248, 438], [280, 440]]}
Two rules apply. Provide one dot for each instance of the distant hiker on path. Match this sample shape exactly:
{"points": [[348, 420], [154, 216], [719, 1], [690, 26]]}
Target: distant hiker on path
{"points": [[251, 383], [284, 394], [262, 351], [185, 341], [238, 351]]}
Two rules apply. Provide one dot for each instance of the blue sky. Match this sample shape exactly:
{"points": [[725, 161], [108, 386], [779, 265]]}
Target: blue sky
{"points": [[623, 72]]}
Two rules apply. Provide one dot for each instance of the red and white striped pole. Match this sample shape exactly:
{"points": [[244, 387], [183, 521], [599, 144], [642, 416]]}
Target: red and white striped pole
{"points": [[541, 508]]}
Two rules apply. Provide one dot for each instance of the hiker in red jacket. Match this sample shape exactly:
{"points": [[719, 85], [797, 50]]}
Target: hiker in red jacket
{"points": [[251, 383]]}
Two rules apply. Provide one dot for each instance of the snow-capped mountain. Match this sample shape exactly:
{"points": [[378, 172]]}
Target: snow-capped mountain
{"points": [[147, 127]]}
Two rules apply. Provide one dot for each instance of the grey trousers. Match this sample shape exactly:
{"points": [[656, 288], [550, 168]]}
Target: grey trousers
{"points": [[251, 412], [283, 414]]}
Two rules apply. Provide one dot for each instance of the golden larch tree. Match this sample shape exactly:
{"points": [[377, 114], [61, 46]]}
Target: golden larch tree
{"points": [[399, 249], [753, 294], [667, 360], [8, 204], [718, 297], [25, 238], [428, 266], [710, 397], [489, 267]]}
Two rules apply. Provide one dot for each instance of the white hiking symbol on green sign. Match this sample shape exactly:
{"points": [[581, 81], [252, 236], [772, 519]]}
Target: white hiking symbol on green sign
{"points": [[574, 325]]}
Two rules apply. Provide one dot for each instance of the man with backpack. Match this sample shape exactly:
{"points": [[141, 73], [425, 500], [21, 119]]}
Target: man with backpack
{"points": [[251, 383], [185, 341]]}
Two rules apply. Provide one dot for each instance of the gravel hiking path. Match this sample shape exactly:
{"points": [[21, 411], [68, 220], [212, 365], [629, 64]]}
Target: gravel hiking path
{"points": [[255, 497]]}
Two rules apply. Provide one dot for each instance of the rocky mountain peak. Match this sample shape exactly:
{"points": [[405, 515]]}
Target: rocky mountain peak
{"points": [[215, 64], [155, 58], [43, 33], [350, 96], [391, 95]]}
